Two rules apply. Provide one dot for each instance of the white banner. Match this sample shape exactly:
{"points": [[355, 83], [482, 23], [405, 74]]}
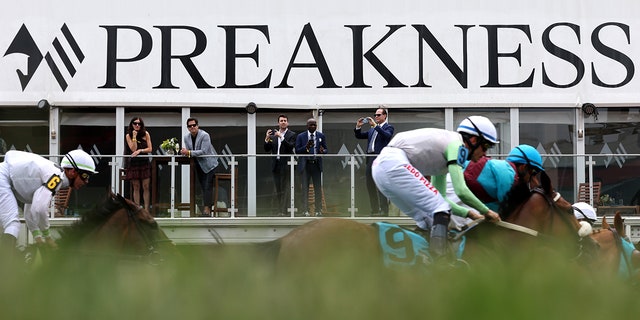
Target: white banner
{"points": [[329, 53]]}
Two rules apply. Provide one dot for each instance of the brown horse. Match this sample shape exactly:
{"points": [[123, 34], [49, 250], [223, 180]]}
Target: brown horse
{"points": [[616, 254], [117, 229], [550, 228], [542, 212]]}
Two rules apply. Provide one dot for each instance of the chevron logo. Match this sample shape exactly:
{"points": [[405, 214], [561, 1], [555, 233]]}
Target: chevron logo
{"points": [[23, 43], [606, 150], [226, 159], [360, 156], [555, 150], [620, 160]]}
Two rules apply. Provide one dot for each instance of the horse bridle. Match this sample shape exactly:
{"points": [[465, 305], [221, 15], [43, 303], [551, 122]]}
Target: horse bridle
{"points": [[152, 255]]}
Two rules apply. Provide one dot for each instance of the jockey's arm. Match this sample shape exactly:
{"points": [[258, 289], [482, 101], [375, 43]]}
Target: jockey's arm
{"points": [[37, 215], [463, 192]]}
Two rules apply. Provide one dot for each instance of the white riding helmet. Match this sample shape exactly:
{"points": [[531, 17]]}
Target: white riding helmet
{"points": [[479, 126], [584, 211], [79, 160]]}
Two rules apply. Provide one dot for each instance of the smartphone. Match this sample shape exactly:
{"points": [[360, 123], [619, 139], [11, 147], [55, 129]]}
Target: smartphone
{"points": [[365, 120]]}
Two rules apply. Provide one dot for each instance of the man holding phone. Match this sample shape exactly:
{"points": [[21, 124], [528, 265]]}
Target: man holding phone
{"points": [[378, 136], [281, 142]]}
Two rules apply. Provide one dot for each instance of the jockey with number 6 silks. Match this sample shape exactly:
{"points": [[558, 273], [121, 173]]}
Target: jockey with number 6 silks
{"points": [[399, 172], [33, 180]]}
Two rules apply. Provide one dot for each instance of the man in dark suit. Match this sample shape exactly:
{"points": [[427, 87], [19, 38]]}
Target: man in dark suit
{"points": [[280, 143], [309, 144], [377, 138]]}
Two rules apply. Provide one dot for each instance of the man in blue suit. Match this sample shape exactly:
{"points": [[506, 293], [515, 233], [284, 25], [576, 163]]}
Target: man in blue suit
{"points": [[377, 138], [197, 143], [309, 145]]}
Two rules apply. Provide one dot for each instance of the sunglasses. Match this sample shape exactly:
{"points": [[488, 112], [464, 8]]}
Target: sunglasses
{"points": [[192, 125], [136, 123], [378, 115]]}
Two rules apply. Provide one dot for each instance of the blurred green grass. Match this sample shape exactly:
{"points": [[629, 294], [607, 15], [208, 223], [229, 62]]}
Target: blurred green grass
{"points": [[235, 284]]}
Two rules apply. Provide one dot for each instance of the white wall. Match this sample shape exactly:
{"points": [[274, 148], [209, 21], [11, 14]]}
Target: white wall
{"points": [[272, 30]]}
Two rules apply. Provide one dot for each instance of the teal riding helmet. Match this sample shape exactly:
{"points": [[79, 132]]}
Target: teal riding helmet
{"points": [[526, 154]]}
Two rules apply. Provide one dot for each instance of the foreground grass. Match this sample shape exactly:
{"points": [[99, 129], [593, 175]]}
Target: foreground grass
{"points": [[239, 286]]}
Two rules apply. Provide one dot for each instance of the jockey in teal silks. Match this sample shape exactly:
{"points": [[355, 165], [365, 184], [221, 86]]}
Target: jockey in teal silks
{"points": [[490, 179]]}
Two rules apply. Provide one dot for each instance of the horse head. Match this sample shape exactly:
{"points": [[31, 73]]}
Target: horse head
{"points": [[536, 205], [116, 227], [616, 254]]}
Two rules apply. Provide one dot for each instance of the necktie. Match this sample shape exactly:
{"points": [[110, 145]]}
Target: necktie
{"points": [[312, 138], [373, 141]]}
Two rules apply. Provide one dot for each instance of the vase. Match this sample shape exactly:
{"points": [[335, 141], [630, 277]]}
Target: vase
{"points": [[170, 152]]}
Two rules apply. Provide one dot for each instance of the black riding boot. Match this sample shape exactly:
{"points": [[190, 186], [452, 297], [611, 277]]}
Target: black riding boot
{"points": [[438, 241]]}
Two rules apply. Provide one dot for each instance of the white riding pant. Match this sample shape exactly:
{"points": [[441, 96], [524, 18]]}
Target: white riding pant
{"points": [[406, 187], [9, 210]]}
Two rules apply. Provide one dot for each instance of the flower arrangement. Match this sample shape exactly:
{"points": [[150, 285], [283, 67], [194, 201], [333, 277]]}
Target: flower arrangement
{"points": [[604, 199], [170, 146]]}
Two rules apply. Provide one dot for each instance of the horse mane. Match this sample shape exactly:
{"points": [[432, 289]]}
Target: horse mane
{"points": [[520, 192], [93, 218]]}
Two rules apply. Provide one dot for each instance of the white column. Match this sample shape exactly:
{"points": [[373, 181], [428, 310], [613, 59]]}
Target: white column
{"points": [[251, 165]]}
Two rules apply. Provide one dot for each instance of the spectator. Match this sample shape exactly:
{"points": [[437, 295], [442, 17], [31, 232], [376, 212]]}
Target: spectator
{"points": [[399, 171], [197, 143], [377, 138], [281, 142], [32, 180], [310, 144], [139, 167], [3, 145]]}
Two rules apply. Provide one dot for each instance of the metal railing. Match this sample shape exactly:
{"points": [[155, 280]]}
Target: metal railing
{"points": [[344, 182]]}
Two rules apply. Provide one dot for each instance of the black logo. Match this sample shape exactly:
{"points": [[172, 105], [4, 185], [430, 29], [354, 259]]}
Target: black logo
{"points": [[23, 43]]}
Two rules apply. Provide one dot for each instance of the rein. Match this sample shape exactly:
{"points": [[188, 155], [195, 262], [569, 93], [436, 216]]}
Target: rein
{"points": [[525, 230], [153, 255]]}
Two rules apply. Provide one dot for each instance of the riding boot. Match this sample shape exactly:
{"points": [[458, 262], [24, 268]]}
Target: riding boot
{"points": [[438, 240]]}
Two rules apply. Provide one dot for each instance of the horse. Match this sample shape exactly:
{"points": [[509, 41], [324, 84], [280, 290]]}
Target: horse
{"points": [[539, 216], [115, 230], [537, 224], [616, 254]]}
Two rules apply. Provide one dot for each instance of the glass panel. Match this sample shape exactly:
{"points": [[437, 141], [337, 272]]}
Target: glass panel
{"points": [[25, 129], [93, 131], [615, 135], [550, 131]]}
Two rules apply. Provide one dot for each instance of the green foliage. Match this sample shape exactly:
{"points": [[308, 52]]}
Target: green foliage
{"points": [[236, 284], [170, 145]]}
